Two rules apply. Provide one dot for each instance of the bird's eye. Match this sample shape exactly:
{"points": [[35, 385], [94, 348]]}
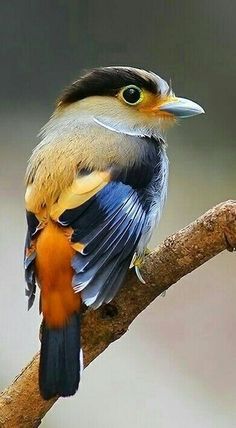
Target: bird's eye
{"points": [[132, 94]]}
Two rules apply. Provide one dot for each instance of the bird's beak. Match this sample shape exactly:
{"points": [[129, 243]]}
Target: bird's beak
{"points": [[180, 107]]}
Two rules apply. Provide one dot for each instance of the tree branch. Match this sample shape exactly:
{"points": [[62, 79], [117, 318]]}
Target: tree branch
{"points": [[21, 405]]}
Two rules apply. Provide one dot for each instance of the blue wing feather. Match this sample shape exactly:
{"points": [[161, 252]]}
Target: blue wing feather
{"points": [[115, 219], [113, 283]]}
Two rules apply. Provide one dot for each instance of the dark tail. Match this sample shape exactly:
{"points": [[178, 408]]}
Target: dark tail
{"points": [[60, 362]]}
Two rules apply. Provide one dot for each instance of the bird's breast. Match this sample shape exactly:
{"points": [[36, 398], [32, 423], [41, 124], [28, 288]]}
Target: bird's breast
{"points": [[50, 173]]}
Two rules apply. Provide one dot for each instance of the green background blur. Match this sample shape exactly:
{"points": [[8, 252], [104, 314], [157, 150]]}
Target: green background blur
{"points": [[176, 366]]}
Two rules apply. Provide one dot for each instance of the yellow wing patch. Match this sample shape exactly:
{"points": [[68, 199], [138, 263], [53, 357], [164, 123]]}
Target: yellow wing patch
{"points": [[81, 190]]}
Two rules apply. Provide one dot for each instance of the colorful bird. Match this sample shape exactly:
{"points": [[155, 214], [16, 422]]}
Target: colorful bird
{"points": [[95, 188]]}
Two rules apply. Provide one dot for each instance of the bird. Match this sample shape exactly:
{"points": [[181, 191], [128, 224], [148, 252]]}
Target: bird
{"points": [[95, 187]]}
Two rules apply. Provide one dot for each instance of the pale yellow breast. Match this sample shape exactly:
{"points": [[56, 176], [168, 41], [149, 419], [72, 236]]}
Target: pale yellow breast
{"points": [[50, 172]]}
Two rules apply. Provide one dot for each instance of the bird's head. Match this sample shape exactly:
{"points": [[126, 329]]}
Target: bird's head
{"points": [[125, 100]]}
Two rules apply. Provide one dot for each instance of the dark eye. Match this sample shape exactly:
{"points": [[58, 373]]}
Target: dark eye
{"points": [[132, 94]]}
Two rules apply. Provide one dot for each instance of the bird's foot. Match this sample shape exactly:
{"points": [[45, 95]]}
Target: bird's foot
{"points": [[137, 263]]}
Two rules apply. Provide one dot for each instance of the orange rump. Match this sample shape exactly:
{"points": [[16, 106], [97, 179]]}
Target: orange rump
{"points": [[54, 274]]}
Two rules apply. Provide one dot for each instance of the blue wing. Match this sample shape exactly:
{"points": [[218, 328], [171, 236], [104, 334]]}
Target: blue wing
{"points": [[109, 227]]}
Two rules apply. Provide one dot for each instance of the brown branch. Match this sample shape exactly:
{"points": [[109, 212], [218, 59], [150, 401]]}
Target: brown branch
{"points": [[21, 405]]}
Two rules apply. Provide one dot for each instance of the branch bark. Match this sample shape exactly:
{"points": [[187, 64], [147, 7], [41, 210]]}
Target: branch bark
{"points": [[21, 405]]}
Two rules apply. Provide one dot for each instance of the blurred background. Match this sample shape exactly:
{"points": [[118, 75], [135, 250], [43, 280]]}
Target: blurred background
{"points": [[176, 365]]}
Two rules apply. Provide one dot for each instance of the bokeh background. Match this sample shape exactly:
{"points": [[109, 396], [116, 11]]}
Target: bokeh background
{"points": [[176, 365]]}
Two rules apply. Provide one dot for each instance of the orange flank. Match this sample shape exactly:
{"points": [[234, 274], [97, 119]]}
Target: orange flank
{"points": [[54, 274]]}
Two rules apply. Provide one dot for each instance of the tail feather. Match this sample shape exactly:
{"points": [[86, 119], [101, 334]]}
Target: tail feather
{"points": [[60, 359]]}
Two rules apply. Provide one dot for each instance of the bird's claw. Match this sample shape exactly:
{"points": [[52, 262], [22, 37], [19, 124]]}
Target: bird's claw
{"points": [[139, 275], [137, 263]]}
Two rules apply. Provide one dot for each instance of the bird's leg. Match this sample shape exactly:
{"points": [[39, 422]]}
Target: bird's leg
{"points": [[137, 263]]}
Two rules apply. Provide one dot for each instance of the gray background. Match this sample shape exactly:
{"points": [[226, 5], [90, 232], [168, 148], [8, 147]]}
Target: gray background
{"points": [[176, 365]]}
